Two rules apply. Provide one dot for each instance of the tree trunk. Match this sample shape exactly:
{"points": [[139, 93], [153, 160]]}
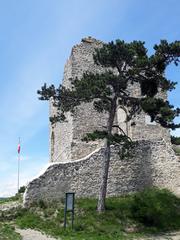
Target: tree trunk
{"points": [[103, 183], [105, 165]]}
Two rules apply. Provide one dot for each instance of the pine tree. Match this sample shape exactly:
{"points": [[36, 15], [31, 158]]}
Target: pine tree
{"points": [[110, 89]]}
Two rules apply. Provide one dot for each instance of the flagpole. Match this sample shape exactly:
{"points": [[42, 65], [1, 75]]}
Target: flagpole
{"points": [[18, 164]]}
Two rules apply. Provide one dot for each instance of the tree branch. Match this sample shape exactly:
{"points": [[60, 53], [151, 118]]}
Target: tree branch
{"points": [[117, 126]]}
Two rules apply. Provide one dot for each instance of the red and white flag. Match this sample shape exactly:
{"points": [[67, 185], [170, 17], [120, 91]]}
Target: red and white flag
{"points": [[19, 148]]}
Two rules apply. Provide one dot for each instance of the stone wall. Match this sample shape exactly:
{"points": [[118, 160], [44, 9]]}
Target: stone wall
{"points": [[151, 163]]}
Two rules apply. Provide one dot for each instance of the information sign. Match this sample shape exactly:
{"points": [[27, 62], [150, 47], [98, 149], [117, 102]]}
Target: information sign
{"points": [[69, 207], [70, 201]]}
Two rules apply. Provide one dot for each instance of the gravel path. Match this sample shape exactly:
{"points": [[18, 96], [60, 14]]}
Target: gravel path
{"points": [[29, 234], [167, 236]]}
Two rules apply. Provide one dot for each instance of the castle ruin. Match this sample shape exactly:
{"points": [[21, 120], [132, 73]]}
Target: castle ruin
{"points": [[76, 165]]}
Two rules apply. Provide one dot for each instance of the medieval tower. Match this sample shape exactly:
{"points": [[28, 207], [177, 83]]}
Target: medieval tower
{"points": [[76, 165], [65, 138]]}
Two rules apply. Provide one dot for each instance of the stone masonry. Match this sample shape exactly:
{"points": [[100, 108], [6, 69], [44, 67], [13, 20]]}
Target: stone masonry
{"points": [[76, 165], [65, 138], [151, 163]]}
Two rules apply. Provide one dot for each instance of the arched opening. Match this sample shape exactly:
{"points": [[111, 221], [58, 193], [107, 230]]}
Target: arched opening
{"points": [[122, 120]]}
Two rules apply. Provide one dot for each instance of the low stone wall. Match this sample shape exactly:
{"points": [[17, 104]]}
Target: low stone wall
{"points": [[151, 163]]}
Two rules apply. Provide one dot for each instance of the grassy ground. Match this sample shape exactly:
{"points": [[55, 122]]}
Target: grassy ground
{"points": [[7, 232], [151, 211], [17, 197]]}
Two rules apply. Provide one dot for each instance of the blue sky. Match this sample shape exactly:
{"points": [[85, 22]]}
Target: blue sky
{"points": [[36, 37]]}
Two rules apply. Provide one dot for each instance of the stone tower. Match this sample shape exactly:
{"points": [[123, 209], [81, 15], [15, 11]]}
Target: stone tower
{"points": [[65, 138]]}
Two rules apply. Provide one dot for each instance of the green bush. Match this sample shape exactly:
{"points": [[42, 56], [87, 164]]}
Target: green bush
{"points": [[158, 208], [22, 189], [175, 140], [177, 149]]}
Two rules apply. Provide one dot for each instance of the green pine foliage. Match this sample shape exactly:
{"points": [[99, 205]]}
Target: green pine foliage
{"points": [[134, 65]]}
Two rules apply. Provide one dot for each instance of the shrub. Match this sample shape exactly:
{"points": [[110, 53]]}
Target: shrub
{"points": [[175, 140], [22, 189], [158, 208]]}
